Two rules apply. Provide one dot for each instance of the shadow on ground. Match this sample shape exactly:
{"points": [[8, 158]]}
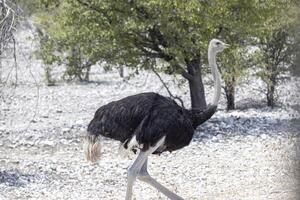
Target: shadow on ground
{"points": [[244, 126], [16, 178]]}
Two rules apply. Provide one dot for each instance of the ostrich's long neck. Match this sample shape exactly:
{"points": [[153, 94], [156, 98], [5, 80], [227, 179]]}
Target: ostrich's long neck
{"points": [[200, 116], [216, 75]]}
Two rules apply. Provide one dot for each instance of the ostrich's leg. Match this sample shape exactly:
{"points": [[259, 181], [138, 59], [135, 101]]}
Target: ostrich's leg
{"points": [[137, 165], [133, 171], [144, 176]]}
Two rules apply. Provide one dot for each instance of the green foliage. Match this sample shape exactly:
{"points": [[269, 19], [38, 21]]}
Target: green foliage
{"points": [[234, 63], [59, 43], [134, 32], [295, 67], [176, 32], [277, 43]]}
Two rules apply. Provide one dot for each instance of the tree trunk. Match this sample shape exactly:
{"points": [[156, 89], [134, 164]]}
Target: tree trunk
{"points": [[121, 71], [197, 93], [270, 95], [49, 80], [0, 70], [271, 84], [87, 73], [230, 93]]}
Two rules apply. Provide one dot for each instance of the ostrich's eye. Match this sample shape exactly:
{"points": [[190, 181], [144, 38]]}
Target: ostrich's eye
{"points": [[218, 43]]}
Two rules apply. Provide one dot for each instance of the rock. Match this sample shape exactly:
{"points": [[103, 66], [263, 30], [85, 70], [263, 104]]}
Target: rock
{"points": [[264, 136], [48, 143]]}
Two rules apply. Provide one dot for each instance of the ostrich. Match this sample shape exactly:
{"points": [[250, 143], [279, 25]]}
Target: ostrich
{"points": [[151, 123]]}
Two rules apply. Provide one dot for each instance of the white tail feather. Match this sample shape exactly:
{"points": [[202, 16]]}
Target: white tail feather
{"points": [[92, 148]]}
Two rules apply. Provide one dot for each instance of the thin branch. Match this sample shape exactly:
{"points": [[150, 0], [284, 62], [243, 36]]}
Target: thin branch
{"points": [[29, 65], [6, 16], [7, 24], [15, 59], [165, 85]]}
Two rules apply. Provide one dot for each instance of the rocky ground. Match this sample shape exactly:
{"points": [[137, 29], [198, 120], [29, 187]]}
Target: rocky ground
{"points": [[250, 153]]}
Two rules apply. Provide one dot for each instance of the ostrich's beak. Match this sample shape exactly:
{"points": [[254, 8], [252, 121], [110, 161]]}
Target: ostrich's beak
{"points": [[226, 45]]}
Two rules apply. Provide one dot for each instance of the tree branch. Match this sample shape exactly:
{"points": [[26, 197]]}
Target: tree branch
{"points": [[185, 74], [165, 85], [96, 9], [7, 24]]}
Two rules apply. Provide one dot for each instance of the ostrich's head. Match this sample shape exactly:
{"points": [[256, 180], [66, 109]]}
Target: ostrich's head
{"points": [[217, 46]]}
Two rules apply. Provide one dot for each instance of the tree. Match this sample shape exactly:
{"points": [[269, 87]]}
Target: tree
{"points": [[277, 43], [8, 22], [9, 19], [135, 33], [233, 65], [59, 44], [295, 68]]}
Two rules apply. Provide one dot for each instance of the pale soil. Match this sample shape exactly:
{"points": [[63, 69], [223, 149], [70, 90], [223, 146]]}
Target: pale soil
{"points": [[243, 154], [236, 155]]}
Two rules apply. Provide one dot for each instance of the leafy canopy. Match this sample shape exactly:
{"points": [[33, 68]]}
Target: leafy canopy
{"points": [[134, 33]]}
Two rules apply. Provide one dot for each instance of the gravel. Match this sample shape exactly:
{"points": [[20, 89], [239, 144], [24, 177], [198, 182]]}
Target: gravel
{"points": [[250, 153]]}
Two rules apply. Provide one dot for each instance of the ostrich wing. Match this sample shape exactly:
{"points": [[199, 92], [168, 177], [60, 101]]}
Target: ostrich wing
{"points": [[119, 119], [165, 120]]}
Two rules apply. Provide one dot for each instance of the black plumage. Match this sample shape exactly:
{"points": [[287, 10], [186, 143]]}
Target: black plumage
{"points": [[148, 117]]}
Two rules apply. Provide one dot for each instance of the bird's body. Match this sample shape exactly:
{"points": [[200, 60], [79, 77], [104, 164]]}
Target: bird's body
{"points": [[145, 118], [152, 123]]}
